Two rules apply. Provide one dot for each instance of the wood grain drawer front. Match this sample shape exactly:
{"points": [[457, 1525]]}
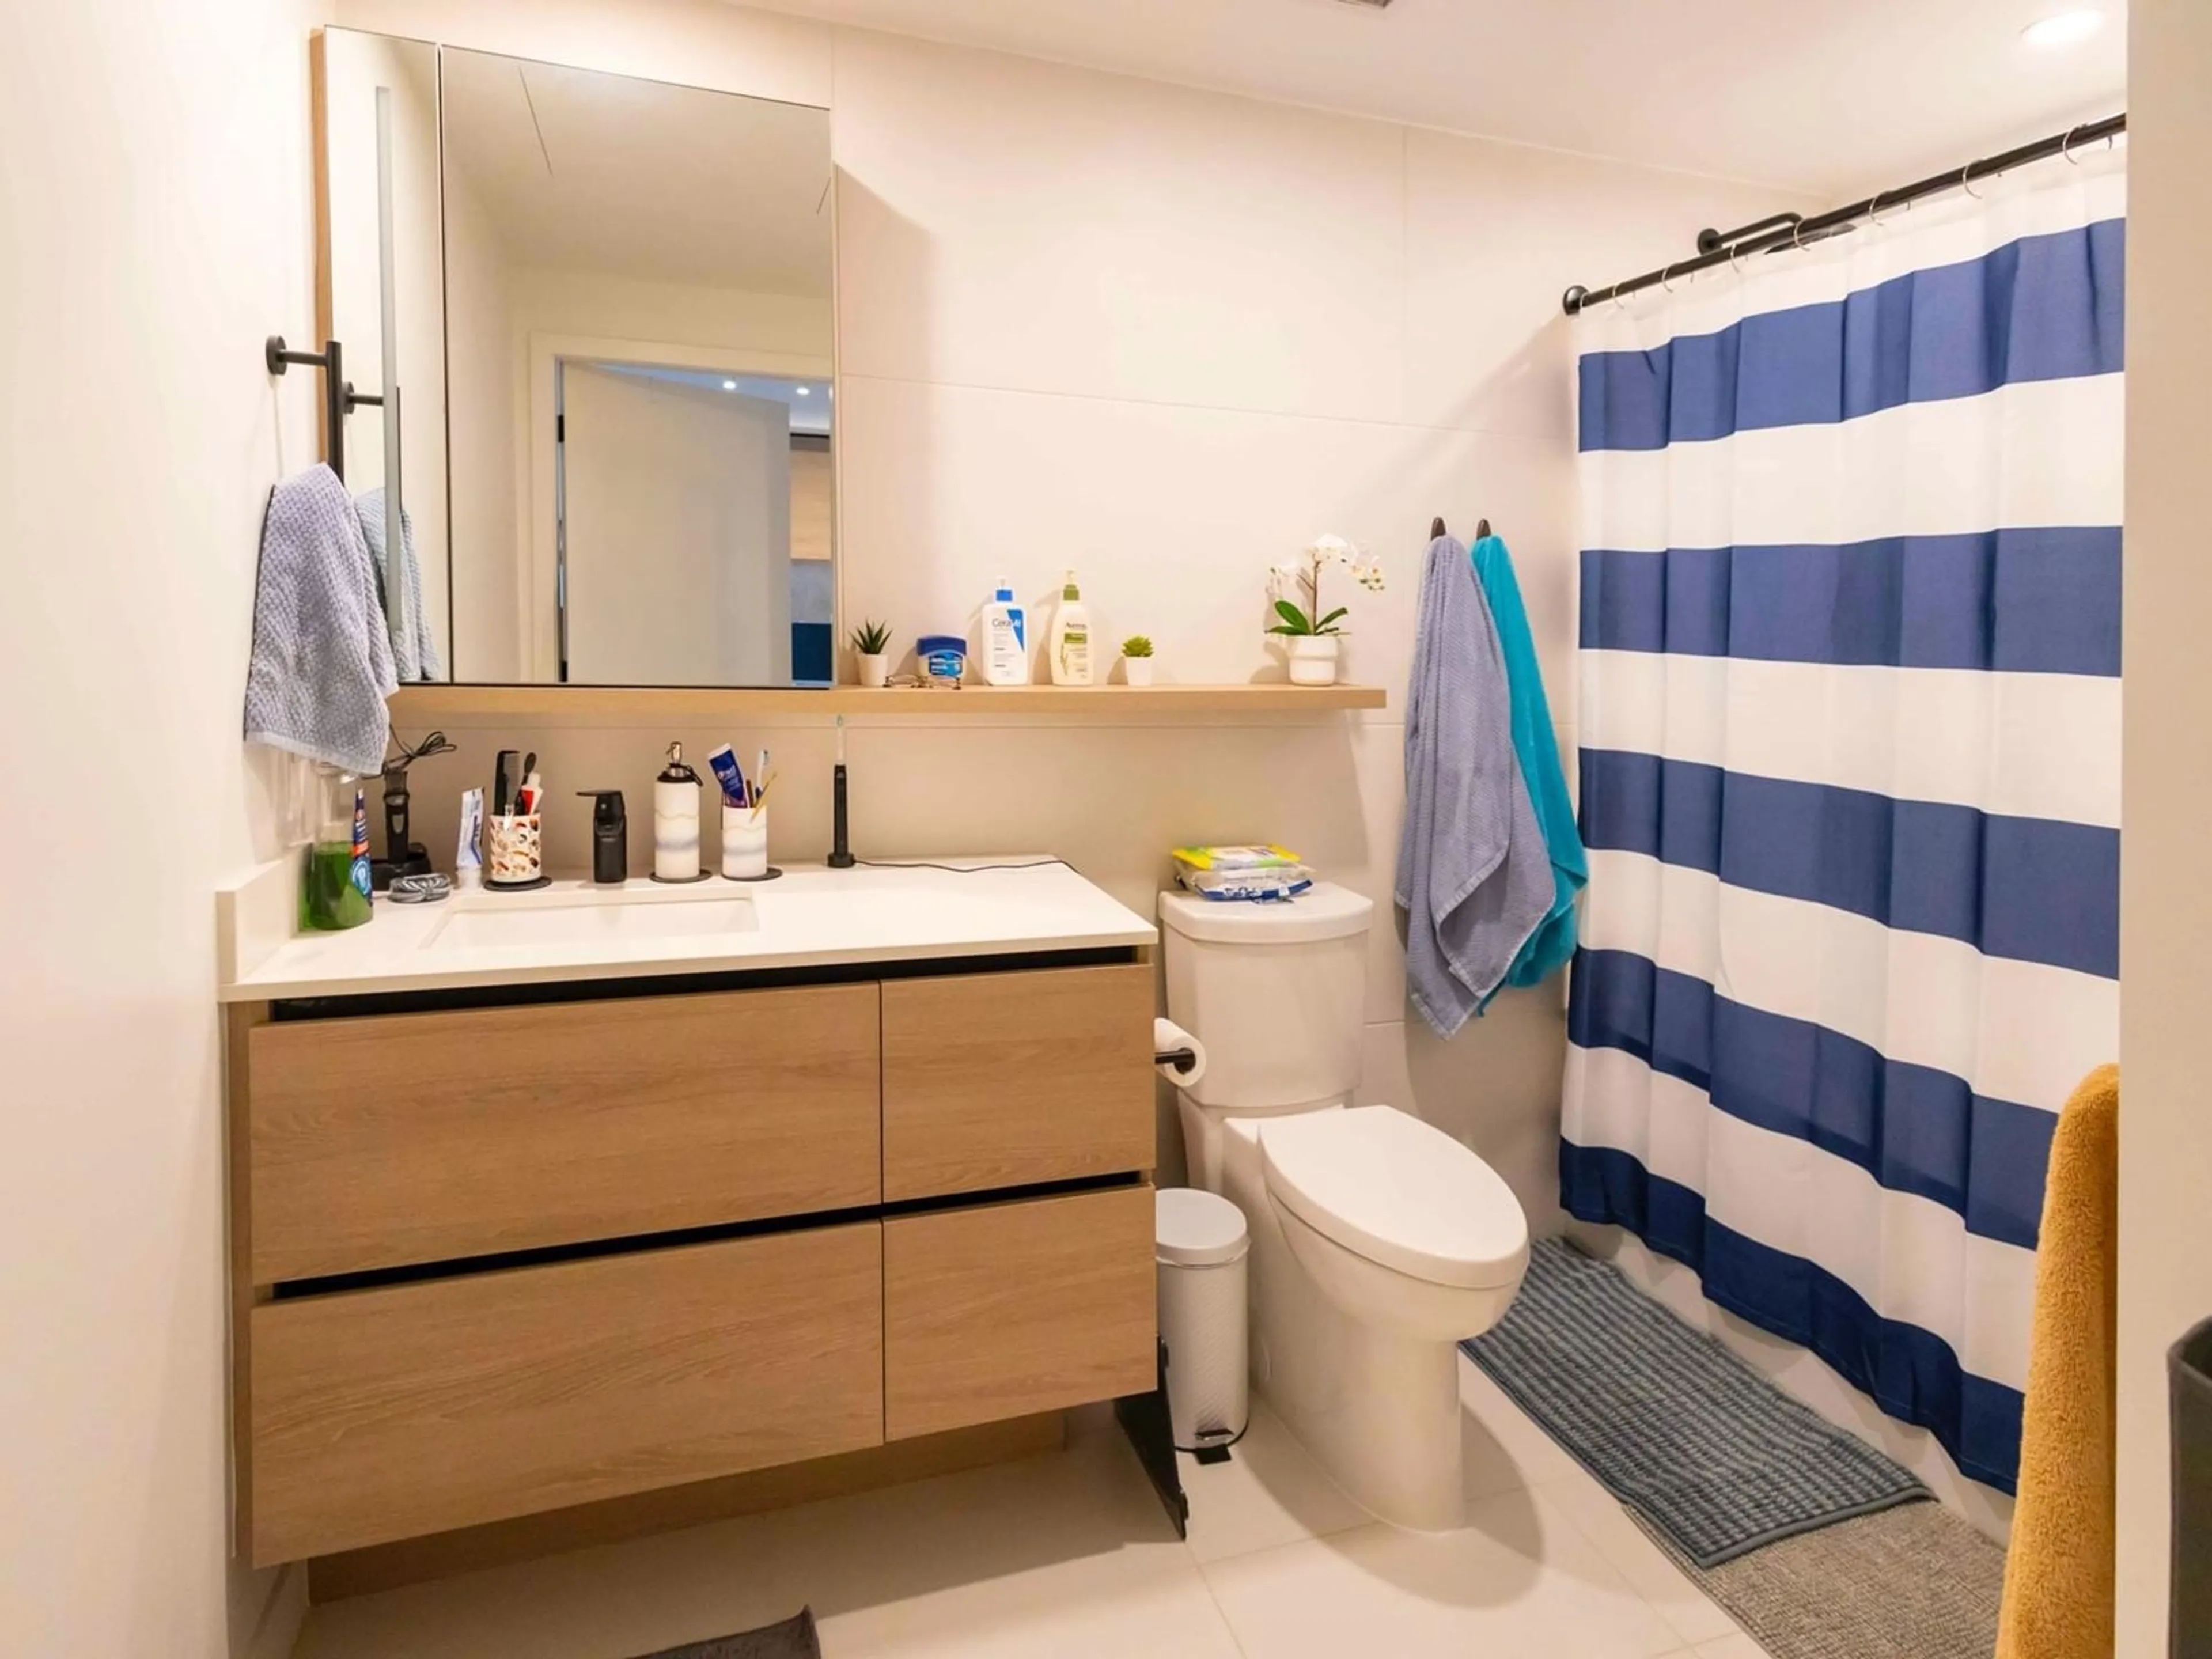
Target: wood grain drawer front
{"points": [[400, 1139], [1027, 1306], [1010, 1079], [385, 1414]]}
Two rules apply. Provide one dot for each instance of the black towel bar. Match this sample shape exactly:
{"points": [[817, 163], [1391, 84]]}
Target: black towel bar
{"points": [[339, 399]]}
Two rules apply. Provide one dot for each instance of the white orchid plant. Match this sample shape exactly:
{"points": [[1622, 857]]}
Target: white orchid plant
{"points": [[1299, 579]]}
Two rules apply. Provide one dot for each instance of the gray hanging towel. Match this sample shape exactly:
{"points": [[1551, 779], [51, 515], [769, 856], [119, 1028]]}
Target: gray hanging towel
{"points": [[321, 666], [414, 654], [1474, 876]]}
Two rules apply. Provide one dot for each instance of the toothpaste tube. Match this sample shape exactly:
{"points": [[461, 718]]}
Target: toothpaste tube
{"points": [[729, 775], [468, 857]]}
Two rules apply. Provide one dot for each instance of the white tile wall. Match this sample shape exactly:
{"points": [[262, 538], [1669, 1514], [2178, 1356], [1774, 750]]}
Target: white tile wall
{"points": [[1165, 336]]}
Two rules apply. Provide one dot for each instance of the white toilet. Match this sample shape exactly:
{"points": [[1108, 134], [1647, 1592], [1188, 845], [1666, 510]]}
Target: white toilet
{"points": [[1377, 1241]]}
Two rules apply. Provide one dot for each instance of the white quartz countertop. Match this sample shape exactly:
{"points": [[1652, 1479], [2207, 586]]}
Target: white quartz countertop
{"points": [[575, 930]]}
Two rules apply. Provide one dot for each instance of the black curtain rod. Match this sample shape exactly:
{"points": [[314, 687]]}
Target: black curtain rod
{"points": [[1716, 247]]}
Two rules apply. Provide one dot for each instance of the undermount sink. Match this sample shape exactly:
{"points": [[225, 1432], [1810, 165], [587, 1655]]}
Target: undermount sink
{"points": [[489, 924]]}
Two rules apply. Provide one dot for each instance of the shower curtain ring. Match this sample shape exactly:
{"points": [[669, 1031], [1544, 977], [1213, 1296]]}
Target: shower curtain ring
{"points": [[1966, 182], [1732, 266], [2066, 147], [1664, 274]]}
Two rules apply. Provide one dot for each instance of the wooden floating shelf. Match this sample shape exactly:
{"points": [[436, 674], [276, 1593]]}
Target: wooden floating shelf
{"points": [[415, 705]]}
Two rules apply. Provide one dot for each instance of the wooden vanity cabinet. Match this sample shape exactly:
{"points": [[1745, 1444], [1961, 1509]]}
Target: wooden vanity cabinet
{"points": [[997, 1081], [493, 1261], [393, 1139], [384, 1413]]}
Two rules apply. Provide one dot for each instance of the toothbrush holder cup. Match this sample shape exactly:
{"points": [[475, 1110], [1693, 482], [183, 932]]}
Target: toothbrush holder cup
{"points": [[744, 843], [516, 851]]}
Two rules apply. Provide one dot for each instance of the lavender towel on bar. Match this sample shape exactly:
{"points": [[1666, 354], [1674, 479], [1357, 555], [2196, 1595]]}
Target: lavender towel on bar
{"points": [[1474, 875], [321, 666]]}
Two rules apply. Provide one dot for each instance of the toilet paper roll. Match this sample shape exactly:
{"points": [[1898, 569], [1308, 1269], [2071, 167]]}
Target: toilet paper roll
{"points": [[1167, 1035]]}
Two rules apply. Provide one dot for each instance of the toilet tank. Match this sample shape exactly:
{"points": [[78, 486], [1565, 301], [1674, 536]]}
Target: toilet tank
{"points": [[1276, 991]]}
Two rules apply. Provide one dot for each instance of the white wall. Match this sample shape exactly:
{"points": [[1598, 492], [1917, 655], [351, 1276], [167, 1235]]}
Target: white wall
{"points": [[155, 185], [2166, 908], [1166, 336]]}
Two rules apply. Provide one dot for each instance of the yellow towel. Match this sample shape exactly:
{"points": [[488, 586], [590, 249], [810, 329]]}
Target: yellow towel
{"points": [[2058, 1573]]}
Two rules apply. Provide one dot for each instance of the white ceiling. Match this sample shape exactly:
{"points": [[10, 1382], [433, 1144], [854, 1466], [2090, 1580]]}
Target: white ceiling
{"points": [[583, 171], [1843, 96]]}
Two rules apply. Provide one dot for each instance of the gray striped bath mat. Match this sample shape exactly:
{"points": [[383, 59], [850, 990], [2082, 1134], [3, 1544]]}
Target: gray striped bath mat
{"points": [[1675, 1425]]}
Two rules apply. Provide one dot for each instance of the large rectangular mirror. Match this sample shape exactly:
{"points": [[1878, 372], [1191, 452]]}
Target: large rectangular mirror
{"points": [[381, 293], [634, 410]]}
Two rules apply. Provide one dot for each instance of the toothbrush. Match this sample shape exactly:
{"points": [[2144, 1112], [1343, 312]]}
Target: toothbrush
{"points": [[760, 778]]}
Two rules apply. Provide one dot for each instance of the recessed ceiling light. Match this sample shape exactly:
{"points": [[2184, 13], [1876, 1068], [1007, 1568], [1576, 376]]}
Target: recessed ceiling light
{"points": [[2063, 28], [804, 391], [729, 386]]}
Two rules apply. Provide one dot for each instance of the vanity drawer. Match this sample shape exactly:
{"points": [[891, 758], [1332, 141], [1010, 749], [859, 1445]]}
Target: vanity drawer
{"points": [[1007, 1309], [399, 1139], [996, 1080], [384, 1413]]}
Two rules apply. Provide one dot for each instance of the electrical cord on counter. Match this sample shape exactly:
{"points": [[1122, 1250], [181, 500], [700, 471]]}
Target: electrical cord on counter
{"points": [[957, 869]]}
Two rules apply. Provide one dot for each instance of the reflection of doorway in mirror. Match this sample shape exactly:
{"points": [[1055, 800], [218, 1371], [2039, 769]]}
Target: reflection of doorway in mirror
{"points": [[692, 532]]}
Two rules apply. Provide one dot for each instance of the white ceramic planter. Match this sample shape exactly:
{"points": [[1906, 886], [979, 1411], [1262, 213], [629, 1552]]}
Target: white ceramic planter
{"points": [[1313, 658], [875, 670], [1137, 671]]}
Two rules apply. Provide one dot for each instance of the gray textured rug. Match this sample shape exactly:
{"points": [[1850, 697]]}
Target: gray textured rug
{"points": [[794, 1639], [1691, 1438], [1911, 1582]]}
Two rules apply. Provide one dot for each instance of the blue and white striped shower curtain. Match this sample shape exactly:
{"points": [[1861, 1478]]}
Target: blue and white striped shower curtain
{"points": [[1850, 720]]}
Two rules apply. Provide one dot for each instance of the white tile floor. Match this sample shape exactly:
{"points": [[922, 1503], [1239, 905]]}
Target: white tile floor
{"points": [[1069, 1557]]}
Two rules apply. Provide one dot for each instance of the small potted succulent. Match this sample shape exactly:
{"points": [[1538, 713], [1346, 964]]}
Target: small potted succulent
{"points": [[1136, 660], [869, 640], [1312, 637]]}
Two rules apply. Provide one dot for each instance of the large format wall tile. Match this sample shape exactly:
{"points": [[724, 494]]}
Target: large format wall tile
{"points": [[1173, 515], [1496, 233], [1004, 222]]}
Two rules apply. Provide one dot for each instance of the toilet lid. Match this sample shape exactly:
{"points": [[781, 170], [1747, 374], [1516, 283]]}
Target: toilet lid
{"points": [[1398, 1191]]}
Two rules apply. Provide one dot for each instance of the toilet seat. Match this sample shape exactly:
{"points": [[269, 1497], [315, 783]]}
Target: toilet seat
{"points": [[1400, 1192]]}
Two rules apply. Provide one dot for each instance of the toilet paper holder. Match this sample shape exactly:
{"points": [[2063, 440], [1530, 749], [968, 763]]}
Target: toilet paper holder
{"points": [[1182, 1059]]}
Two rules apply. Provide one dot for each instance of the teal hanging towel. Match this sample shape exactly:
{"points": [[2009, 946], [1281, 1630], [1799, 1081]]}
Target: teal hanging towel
{"points": [[1546, 950]]}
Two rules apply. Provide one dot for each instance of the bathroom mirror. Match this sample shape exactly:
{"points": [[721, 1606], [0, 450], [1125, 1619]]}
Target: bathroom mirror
{"points": [[606, 302], [638, 379], [379, 293]]}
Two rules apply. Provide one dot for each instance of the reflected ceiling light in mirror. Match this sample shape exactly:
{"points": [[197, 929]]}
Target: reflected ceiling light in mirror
{"points": [[729, 386], [2063, 28], [807, 392]]}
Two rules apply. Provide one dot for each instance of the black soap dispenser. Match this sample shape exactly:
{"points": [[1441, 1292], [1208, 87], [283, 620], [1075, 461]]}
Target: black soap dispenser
{"points": [[610, 836]]}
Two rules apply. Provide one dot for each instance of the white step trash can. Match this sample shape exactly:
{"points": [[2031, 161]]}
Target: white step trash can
{"points": [[1200, 1246]]}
